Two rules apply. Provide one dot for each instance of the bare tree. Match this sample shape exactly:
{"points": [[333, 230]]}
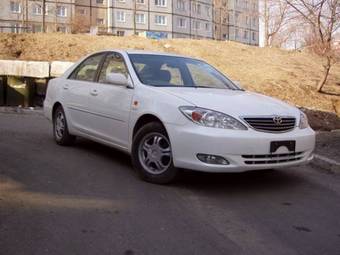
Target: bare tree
{"points": [[276, 15], [323, 18]]}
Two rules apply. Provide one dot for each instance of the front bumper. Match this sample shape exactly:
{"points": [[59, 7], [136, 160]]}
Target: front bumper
{"points": [[245, 150]]}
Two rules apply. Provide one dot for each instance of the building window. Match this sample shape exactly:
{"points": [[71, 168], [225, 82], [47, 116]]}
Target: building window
{"points": [[120, 33], [100, 22], [236, 33], [181, 22], [120, 16], [207, 26], [197, 25], [62, 11], [15, 28], [224, 20], [236, 18], [160, 20], [15, 7], [37, 9], [61, 29], [181, 5], [82, 11], [254, 21], [207, 9], [247, 20], [140, 18], [253, 36], [245, 35], [99, 1], [161, 3], [37, 28], [196, 8], [141, 1]]}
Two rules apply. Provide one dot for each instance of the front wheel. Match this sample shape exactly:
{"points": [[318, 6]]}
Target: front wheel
{"points": [[152, 155], [60, 129]]}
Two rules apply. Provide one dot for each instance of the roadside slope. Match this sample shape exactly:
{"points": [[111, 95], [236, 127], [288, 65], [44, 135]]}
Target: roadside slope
{"points": [[290, 76]]}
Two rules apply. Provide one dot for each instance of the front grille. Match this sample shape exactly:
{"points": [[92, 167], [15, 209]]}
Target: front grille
{"points": [[261, 159], [271, 124]]}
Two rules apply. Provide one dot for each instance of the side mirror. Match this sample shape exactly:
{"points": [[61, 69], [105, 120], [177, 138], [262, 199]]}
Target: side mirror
{"points": [[117, 79]]}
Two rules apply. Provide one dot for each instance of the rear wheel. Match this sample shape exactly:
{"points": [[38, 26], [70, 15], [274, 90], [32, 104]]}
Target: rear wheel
{"points": [[60, 129], [152, 155]]}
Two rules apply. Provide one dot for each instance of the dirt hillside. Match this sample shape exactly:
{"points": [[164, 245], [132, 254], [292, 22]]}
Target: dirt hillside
{"points": [[291, 76]]}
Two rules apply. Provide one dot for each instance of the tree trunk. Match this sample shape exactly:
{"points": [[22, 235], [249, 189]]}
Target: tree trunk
{"points": [[327, 68]]}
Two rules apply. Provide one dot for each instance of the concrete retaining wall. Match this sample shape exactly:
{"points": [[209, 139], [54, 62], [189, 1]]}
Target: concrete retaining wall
{"points": [[37, 69]]}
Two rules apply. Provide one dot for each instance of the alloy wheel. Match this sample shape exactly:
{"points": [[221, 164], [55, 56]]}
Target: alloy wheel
{"points": [[154, 153]]}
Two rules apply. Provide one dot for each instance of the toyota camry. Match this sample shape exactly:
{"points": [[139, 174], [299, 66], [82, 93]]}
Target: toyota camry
{"points": [[172, 112]]}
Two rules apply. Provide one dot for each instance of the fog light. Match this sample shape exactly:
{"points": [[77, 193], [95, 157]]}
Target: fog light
{"points": [[212, 159]]}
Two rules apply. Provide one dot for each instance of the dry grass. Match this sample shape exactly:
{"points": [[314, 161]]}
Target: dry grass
{"points": [[291, 76]]}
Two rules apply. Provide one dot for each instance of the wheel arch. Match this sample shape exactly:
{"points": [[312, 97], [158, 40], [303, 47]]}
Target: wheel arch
{"points": [[54, 108], [145, 119]]}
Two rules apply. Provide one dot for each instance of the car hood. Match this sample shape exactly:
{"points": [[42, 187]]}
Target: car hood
{"points": [[233, 102]]}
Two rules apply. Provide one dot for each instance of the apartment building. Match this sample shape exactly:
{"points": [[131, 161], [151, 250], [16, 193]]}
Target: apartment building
{"points": [[243, 21], [213, 19], [28, 15]]}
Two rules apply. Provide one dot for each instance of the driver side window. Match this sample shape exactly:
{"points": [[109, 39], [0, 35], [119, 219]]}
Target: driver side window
{"points": [[114, 63]]}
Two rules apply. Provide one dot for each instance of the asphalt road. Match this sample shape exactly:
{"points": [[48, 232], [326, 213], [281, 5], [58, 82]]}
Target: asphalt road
{"points": [[86, 199]]}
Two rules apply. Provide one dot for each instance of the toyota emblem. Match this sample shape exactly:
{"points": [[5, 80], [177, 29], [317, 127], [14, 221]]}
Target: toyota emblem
{"points": [[277, 120]]}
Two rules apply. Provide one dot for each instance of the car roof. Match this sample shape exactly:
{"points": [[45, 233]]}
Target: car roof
{"points": [[132, 51]]}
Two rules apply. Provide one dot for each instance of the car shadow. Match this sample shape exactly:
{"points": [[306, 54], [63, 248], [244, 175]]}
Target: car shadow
{"points": [[251, 181], [246, 182]]}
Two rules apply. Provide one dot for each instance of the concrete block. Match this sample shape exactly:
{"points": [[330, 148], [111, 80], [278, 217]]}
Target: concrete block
{"points": [[24, 68], [59, 67]]}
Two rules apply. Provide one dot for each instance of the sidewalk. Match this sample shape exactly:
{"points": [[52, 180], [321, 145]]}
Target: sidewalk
{"points": [[29, 110]]}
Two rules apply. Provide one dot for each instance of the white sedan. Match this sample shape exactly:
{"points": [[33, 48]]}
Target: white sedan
{"points": [[172, 112]]}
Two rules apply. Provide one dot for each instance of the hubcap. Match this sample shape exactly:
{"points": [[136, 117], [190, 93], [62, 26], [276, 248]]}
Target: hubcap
{"points": [[154, 153], [59, 128]]}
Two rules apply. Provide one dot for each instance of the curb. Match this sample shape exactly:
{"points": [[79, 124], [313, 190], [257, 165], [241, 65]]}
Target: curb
{"points": [[21, 110], [325, 163]]}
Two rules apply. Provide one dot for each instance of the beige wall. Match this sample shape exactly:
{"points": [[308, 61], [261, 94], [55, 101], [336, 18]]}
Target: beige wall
{"points": [[221, 19], [34, 20]]}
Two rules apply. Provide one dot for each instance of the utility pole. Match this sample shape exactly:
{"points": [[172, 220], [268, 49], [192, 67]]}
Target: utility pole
{"points": [[43, 16], [23, 14], [55, 16], [26, 20], [90, 14], [134, 16]]}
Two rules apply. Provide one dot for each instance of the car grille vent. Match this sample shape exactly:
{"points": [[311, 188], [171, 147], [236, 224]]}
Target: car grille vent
{"points": [[272, 158], [274, 124]]}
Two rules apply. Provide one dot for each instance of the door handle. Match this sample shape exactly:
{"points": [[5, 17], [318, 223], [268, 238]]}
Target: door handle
{"points": [[66, 86], [94, 92]]}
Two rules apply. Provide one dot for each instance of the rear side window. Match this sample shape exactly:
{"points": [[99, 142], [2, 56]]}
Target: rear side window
{"points": [[87, 70]]}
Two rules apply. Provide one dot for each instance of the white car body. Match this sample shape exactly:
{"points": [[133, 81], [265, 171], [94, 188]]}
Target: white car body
{"points": [[108, 114]]}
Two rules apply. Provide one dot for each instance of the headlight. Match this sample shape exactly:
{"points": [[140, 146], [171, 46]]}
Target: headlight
{"points": [[209, 118], [303, 121]]}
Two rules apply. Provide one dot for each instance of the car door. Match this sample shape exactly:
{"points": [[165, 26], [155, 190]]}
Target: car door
{"points": [[110, 104], [76, 91]]}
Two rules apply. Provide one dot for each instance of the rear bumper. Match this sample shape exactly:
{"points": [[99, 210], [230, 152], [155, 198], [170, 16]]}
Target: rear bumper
{"points": [[244, 150], [47, 110]]}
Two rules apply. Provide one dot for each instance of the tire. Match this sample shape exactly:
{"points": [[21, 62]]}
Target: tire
{"points": [[152, 155], [60, 128]]}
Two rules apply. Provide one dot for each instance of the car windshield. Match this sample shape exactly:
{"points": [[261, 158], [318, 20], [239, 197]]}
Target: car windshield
{"points": [[172, 71]]}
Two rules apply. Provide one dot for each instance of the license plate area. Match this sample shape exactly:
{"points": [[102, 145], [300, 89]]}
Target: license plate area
{"points": [[290, 145]]}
